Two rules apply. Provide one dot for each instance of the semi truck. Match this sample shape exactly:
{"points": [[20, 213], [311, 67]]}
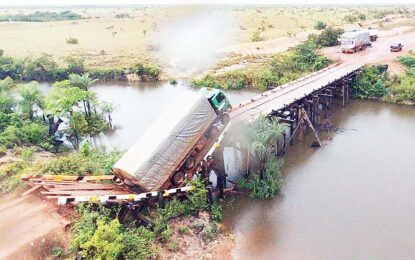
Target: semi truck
{"points": [[354, 41], [373, 34], [171, 149]]}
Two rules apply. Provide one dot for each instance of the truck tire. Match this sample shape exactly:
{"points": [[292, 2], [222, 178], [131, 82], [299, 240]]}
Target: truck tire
{"points": [[190, 163], [178, 178]]}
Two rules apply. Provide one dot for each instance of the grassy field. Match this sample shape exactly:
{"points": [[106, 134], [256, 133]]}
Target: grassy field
{"points": [[104, 40]]}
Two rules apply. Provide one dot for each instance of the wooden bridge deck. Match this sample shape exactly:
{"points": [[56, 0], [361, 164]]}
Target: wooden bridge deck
{"points": [[289, 93]]}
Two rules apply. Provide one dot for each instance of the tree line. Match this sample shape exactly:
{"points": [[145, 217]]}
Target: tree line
{"points": [[40, 16], [44, 68]]}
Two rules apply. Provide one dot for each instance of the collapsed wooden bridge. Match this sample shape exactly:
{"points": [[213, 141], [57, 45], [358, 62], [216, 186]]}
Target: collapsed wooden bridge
{"points": [[299, 103]]}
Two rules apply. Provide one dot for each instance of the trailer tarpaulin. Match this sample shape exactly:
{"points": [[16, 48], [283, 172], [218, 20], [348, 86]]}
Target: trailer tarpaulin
{"points": [[150, 162]]}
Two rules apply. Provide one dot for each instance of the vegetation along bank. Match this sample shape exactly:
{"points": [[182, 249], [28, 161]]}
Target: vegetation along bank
{"points": [[376, 83], [282, 68], [44, 68]]}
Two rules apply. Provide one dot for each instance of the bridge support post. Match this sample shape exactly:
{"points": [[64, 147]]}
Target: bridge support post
{"points": [[344, 94], [293, 117], [315, 113]]}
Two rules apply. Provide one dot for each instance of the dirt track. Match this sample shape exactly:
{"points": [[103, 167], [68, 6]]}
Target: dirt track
{"points": [[24, 220], [379, 53]]}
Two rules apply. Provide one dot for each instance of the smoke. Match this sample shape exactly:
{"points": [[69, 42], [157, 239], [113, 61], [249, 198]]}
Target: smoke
{"points": [[191, 43]]}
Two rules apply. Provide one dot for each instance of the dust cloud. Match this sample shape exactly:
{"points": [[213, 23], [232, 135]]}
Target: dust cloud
{"points": [[190, 44]]}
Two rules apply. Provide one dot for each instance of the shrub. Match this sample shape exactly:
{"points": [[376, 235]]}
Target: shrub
{"points": [[72, 40], [147, 71], [211, 232], [256, 36], [350, 18], [171, 246], [10, 176], [75, 65], [320, 25], [327, 38], [265, 185], [361, 16], [87, 161], [28, 154], [371, 83], [216, 212], [122, 15], [184, 230], [105, 243], [407, 60]]}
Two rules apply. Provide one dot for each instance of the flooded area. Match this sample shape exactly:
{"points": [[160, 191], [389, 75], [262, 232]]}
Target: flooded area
{"points": [[351, 199], [138, 105]]}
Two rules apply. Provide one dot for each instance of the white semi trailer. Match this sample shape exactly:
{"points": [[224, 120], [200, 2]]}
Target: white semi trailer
{"points": [[354, 41]]}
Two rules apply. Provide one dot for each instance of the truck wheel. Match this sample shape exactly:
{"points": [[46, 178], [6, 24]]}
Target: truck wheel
{"points": [[178, 178], [190, 163]]}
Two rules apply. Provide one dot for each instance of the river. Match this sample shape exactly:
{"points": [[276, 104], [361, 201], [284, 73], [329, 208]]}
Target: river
{"points": [[139, 105], [351, 199]]}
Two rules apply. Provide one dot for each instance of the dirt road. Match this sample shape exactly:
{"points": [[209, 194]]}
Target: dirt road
{"points": [[380, 52], [24, 220]]}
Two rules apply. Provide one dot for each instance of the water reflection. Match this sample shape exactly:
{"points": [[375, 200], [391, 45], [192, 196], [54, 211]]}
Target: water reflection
{"points": [[352, 199]]}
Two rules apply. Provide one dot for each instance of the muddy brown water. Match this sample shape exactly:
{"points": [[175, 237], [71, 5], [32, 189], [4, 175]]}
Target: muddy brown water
{"points": [[351, 199]]}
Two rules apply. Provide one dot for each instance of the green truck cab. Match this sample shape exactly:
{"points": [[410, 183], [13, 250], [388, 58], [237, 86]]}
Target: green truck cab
{"points": [[217, 99]]}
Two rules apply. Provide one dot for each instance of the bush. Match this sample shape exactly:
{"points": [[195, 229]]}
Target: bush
{"points": [[10, 176], [24, 133], [122, 15], [98, 236], [350, 18], [320, 25], [87, 161], [328, 37], [211, 232], [370, 84], [72, 41], [105, 243], [147, 72], [216, 212], [407, 60], [265, 185], [256, 36]]}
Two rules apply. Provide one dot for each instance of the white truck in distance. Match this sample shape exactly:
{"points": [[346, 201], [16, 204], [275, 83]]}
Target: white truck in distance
{"points": [[354, 41]]}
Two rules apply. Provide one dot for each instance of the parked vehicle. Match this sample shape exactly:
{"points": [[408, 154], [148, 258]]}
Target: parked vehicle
{"points": [[354, 41], [397, 46], [373, 34], [170, 151]]}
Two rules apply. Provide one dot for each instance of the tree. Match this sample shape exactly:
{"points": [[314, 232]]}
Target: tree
{"points": [[62, 102], [75, 65], [320, 25], [42, 68], [31, 98], [263, 141], [6, 99], [108, 108]]}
